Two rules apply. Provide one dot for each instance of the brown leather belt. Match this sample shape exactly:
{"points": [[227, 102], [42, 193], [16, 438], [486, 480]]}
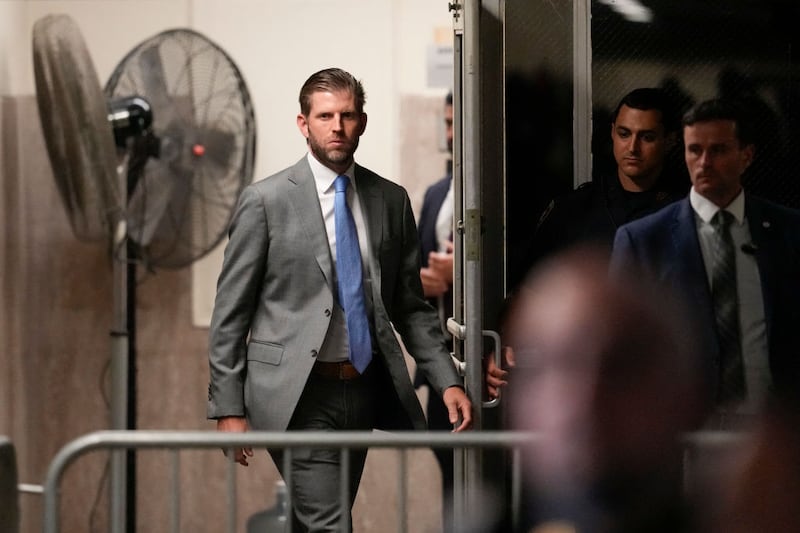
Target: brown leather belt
{"points": [[344, 370]]}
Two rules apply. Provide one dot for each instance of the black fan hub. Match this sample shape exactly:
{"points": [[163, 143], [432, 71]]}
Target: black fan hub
{"points": [[130, 117]]}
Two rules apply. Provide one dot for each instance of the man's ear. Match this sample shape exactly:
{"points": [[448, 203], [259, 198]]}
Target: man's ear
{"points": [[363, 125], [302, 124], [748, 153]]}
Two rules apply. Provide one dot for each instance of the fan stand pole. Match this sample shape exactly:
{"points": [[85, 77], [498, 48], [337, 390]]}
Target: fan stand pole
{"points": [[130, 464], [123, 372], [120, 362]]}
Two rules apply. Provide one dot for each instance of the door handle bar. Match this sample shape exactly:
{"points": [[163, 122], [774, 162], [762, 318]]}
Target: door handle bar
{"points": [[459, 331]]}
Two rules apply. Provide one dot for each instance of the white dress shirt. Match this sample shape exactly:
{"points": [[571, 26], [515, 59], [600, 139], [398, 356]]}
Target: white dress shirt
{"points": [[336, 347], [748, 284], [444, 221]]}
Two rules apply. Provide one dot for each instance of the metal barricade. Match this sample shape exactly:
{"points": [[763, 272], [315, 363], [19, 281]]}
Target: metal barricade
{"points": [[116, 441], [174, 441]]}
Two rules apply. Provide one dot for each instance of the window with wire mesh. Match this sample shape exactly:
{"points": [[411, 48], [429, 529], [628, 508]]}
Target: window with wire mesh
{"points": [[743, 49]]}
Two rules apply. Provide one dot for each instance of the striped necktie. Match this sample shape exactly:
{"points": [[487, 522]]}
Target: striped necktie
{"points": [[732, 386]]}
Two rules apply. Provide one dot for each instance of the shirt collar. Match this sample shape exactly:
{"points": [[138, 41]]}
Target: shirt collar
{"points": [[706, 209], [324, 177]]}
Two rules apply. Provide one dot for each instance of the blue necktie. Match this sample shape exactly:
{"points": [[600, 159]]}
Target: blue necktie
{"points": [[348, 271]]}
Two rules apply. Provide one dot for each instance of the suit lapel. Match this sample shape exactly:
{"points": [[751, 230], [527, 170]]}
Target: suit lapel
{"points": [[372, 206], [688, 256], [304, 200], [692, 275], [763, 233]]}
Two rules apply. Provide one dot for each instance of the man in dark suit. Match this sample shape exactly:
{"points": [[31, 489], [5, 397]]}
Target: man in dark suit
{"points": [[681, 246], [287, 350], [435, 229]]}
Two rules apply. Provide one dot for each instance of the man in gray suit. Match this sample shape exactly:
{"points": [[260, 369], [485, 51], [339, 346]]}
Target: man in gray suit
{"points": [[281, 346]]}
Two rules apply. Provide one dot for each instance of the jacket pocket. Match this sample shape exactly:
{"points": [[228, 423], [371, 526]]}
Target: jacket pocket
{"points": [[264, 352]]}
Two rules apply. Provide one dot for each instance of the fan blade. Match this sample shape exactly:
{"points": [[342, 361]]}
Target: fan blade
{"points": [[154, 81], [79, 139], [171, 242], [149, 202]]}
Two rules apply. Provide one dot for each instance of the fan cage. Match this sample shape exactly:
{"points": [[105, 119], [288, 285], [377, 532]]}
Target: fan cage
{"points": [[180, 206]]}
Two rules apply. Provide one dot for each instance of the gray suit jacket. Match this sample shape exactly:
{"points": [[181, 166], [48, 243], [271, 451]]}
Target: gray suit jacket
{"points": [[275, 297]]}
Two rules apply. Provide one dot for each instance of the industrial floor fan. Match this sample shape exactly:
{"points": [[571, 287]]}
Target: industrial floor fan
{"points": [[153, 165]]}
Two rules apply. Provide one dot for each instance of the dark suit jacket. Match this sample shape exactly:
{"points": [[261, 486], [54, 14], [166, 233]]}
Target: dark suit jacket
{"points": [[432, 203], [276, 292], [665, 245], [434, 198]]}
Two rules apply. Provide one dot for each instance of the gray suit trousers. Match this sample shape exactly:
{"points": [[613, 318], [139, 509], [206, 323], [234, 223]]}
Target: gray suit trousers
{"points": [[328, 404]]}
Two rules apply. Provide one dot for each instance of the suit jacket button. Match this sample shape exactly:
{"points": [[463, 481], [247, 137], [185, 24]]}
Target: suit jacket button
{"points": [[313, 353], [327, 312]]}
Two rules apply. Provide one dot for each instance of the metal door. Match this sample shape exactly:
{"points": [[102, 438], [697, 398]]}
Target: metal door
{"points": [[478, 174]]}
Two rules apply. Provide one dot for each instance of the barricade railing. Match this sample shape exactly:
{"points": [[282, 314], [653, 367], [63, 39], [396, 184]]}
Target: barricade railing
{"points": [[287, 441], [117, 441]]}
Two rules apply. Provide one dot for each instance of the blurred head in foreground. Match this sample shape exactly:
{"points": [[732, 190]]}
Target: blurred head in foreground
{"points": [[608, 375]]}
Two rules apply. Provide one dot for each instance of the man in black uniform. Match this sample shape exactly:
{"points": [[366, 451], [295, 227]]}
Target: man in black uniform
{"points": [[644, 130], [644, 134]]}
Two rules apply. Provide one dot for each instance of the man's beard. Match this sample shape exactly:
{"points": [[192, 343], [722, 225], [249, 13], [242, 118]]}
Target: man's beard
{"points": [[334, 157]]}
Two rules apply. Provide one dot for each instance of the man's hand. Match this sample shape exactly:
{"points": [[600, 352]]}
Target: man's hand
{"points": [[235, 424], [442, 264], [496, 376], [457, 404], [432, 283]]}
